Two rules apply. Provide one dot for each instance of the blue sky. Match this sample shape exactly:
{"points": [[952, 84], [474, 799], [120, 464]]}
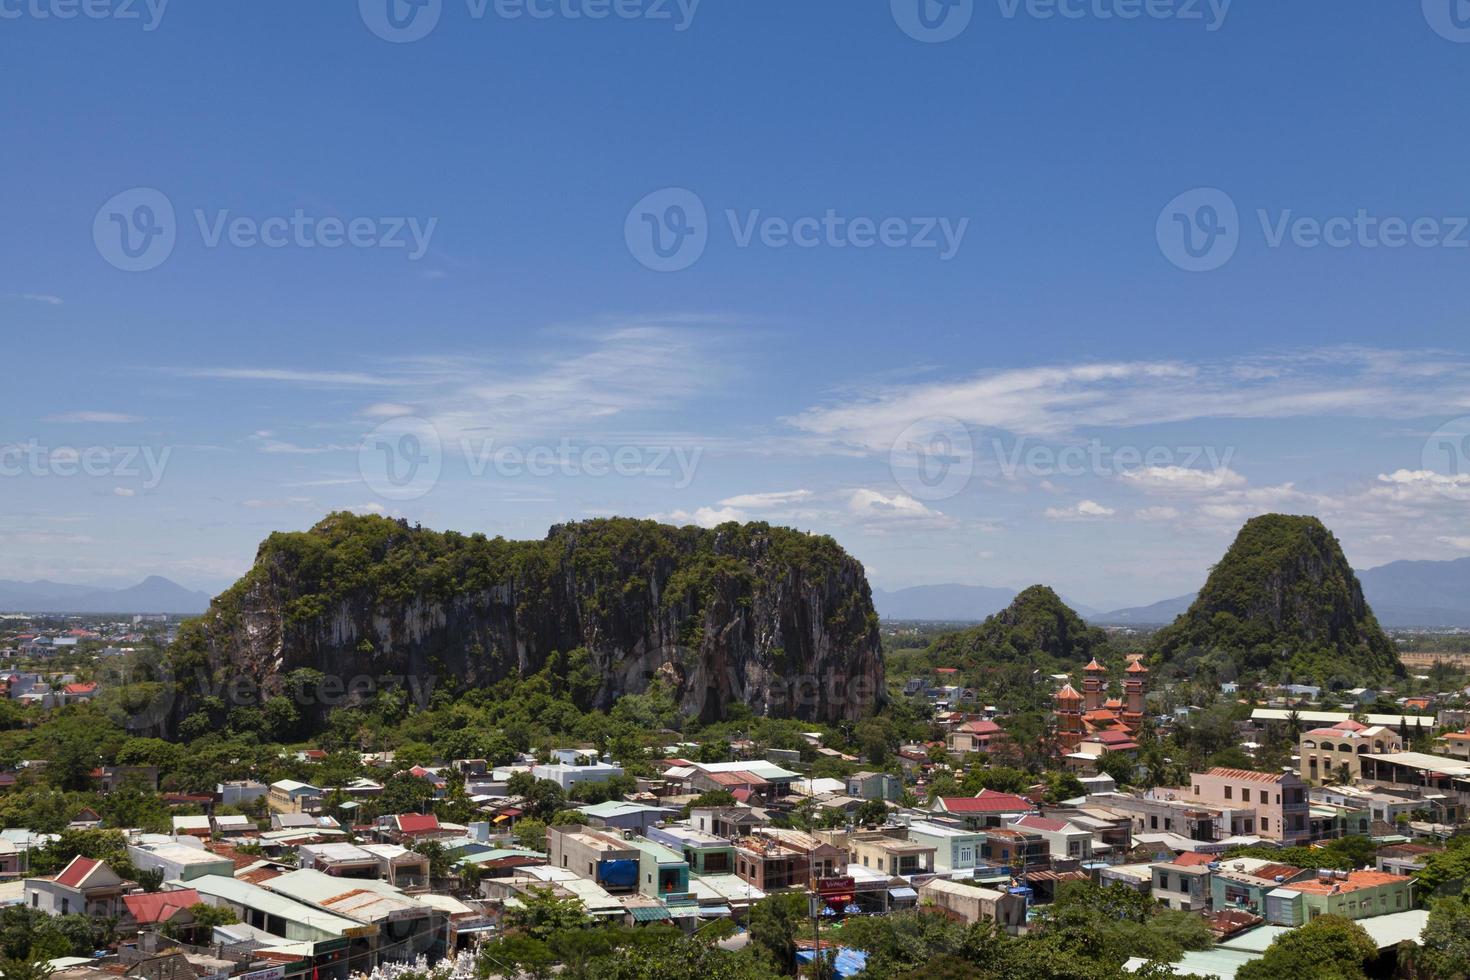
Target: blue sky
{"points": [[993, 258]]}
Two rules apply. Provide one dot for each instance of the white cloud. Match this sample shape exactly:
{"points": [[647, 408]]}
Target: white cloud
{"points": [[762, 501], [703, 516], [1422, 486], [1059, 400], [1458, 542], [1082, 510], [873, 508], [45, 298], [387, 410], [289, 376], [1181, 479], [101, 418], [266, 442], [1157, 514]]}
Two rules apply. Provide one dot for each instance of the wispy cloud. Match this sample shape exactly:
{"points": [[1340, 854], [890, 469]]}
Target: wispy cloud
{"points": [[1083, 510], [45, 298], [101, 418], [1059, 401]]}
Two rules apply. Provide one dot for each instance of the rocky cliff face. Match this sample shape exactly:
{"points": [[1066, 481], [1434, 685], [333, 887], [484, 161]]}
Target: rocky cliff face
{"points": [[1285, 595], [768, 617]]}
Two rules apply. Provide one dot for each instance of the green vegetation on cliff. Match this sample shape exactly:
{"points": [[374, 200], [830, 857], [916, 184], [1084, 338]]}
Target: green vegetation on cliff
{"points": [[1037, 629], [1284, 598]]}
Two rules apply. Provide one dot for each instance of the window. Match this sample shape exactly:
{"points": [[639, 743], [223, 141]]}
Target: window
{"points": [[1245, 794], [1227, 792], [1265, 823]]}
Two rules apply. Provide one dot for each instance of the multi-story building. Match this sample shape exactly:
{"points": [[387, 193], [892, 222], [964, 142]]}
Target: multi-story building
{"points": [[1183, 887], [1332, 752], [988, 808], [769, 864], [1006, 848], [1244, 883], [1350, 894], [954, 849], [603, 858], [1269, 805], [705, 853], [1062, 839], [891, 851]]}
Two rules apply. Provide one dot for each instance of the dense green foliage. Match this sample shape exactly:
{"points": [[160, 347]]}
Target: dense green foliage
{"points": [[1327, 948], [1445, 951], [1284, 595], [1037, 629]]}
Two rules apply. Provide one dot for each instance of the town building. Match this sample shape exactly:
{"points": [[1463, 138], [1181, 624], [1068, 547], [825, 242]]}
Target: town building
{"points": [[1269, 805], [954, 849], [1185, 887], [83, 887], [988, 808], [972, 904], [1331, 753]]}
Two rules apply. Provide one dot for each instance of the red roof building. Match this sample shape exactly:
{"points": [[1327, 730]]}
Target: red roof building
{"points": [[160, 907]]}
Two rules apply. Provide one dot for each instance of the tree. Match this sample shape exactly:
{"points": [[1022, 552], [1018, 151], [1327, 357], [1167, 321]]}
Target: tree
{"points": [[872, 812], [545, 799], [1445, 944], [531, 834], [541, 913], [1328, 946], [775, 924]]}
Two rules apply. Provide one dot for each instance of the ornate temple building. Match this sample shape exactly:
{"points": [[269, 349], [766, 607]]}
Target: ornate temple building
{"points": [[1092, 714]]}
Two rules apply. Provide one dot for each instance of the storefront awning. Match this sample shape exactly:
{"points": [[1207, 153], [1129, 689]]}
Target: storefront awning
{"points": [[713, 911], [649, 913], [903, 893], [683, 911]]}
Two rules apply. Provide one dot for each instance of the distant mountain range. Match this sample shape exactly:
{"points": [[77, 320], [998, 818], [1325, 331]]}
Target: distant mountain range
{"points": [[1403, 595], [154, 594]]}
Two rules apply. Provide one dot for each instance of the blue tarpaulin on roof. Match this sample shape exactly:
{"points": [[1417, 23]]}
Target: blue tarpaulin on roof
{"points": [[620, 873], [850, 962]]}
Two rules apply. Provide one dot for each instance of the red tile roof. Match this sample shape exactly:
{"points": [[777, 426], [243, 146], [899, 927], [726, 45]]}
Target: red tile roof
{"points": [[1068, 693], [1247, 774], [987, 802], [1191, 859], [80, 689], [160, 906], [1042, 823], [76, 872], [417, 823]]}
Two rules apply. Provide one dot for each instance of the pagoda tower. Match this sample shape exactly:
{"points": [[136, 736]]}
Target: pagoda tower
{"points": [[1069, 718], [1094, 686], [1134, 688]]}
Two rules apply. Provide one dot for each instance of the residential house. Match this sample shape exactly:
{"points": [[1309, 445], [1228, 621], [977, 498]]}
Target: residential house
{"points": [[1008, 848], [662, 871], [1269, 805], [1062, 838], [574, 766], [725, 821], [954, 849], [1332, 752], [1244, 883], [972, 904], [874, 786], [290, 796], [178, 862], [986, 809], [150, 911], [1185, 887], [603, 858], [891, 851], [375, 862], [768, 863], [618, 815], [240, 792], [975, 736], [704, 853], [84, 887], [1350, 894]]}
